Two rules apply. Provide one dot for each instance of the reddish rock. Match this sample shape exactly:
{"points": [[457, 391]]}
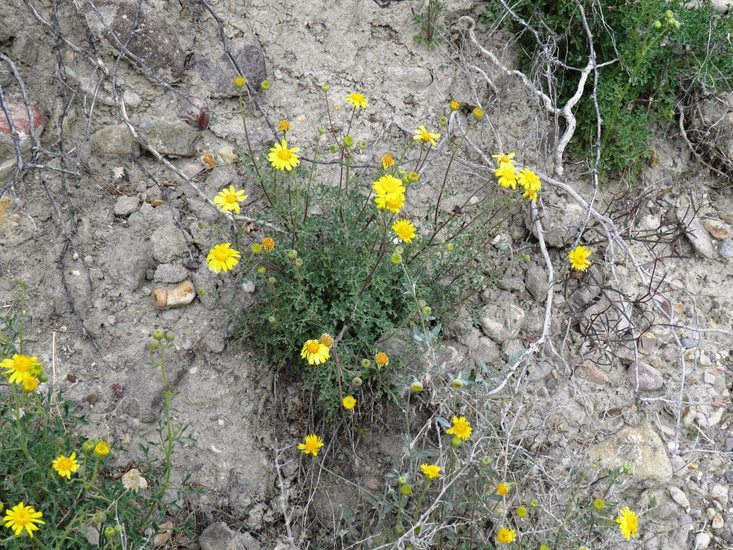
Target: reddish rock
{"points": [[21, 121]]}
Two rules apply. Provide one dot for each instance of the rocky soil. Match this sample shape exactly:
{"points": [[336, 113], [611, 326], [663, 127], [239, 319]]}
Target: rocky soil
{"points": [[97, 222]]}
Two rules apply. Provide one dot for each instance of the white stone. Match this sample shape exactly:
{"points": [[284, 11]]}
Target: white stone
{"points": [[679, 497], [702, 541], [717, 522], [720, 494]]}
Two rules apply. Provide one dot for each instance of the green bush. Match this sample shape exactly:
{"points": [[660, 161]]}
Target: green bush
{"points": [[660, 53]]}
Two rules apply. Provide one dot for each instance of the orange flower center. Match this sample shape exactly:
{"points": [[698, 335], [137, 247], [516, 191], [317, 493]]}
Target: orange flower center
{"points": [[284, 154], [314, 347], [65, 464], [231, 198], [221, 254], [22, 517]]}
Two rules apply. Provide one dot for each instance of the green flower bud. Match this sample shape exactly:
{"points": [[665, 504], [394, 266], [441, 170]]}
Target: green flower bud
{"points": [[401, 480], [325, 87], [365, 363], [99, 517], [676, 24], [443, 121], [421, 303], [298, 262], [334, 148], [426, 311], [158, 334], [265, 85], [348, 141], [169, 336], [406, 490], [261, 270], [43, 377], [109, 532], [657, 24], [271, 319], [321, 130], [271, 281], [153, 345], [416, 387], [292, 254], [399, 250], [399, 529], [450, 247], [669, 14], [2, 507], [412, 177], [457, 383], [356, 381], [396, 259], [485, 461], [36, 370], [256, 248], [87, 447], [534, 503], [363, 144], [456, 442]]}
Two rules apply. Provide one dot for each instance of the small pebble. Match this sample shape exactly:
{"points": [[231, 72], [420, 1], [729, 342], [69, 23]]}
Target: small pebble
{"points": [[679, 497], [726, 248], [720, 494], [702, 541], [717, 522], [688, 343], [709, 378], [248, 287]]}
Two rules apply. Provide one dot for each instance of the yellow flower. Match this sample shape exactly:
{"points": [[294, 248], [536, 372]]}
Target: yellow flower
{"points": [[29, 383], [506, 536], [579, 258], [421, 134], [530, 194], [502, 489], [282, 158], [501, 158], [283, 126], [387, 161], [315, 352], [357, 100], [461, 428], [21, 517], [268, 244], [478, 113], [65, 465], [430, 471], [405, 230], [222, 257], [455, 105], [522, 512], [326, 339], [381, 359], [101, 449], [240, 82], [390, 193], [348, 402], [229, 199], [17, 367], [529, 180], [311, 445], [506, 177], [628, 522]]}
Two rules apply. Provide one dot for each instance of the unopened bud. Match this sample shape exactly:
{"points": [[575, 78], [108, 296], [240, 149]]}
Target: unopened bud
{"points": [[356, 381]]}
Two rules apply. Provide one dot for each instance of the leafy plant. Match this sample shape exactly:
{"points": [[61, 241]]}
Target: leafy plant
{"points": [[656, 54], [428, 24]]}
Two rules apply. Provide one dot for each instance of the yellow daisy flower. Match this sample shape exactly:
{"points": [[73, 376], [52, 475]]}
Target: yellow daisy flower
{"points": [[391, 201], [628, 523], [21, 517], [222, 258], [349, 402], [311, 445], [65, 465], [530, 194], [502, 489], [17, 367], [282, 158], [101, 449], [283, 126], [529, 180], [229, 199], [421, 134], [268, 244], [387, 161], [478, 113], [506, 536], [388, 184], [405, 230], [578, 257], [506, 177], [29, 383], [430, 471], [315, 352], [357, 100], [455, 105], [461, 428], [381, 359], [502, 158]]}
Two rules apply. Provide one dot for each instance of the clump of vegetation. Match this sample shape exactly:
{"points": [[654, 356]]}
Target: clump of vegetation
{"points": [[653, 54], [56, 487], [427, 22]]}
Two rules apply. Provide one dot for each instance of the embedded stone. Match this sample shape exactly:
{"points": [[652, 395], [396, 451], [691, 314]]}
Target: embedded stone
{"points": [[219, 72]]}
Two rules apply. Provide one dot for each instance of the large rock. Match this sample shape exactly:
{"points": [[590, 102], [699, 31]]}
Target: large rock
{"points": [[562, 226], [19, 115], [502, 321], [649, 378], [173, 138], [218, 72], [152, 40], [218, 536], [639, 446], [126, 260], [114, 141]]}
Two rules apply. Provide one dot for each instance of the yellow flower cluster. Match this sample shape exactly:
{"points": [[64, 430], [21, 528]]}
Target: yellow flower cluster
{"points": [[23, 370], [390, 193], [507, 176]]}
